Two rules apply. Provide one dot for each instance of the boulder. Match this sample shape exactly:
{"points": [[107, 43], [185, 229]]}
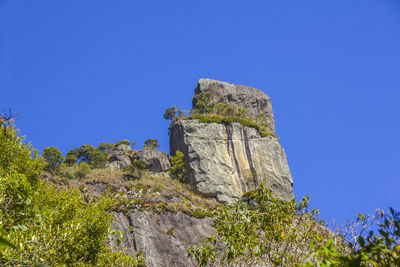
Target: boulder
{"points": [[226, 160], [118, 161], [250, 98], [123, 147], [156, 160]]}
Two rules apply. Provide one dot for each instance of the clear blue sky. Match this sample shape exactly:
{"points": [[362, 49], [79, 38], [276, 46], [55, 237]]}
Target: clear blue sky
{"points": [[92, 71]]}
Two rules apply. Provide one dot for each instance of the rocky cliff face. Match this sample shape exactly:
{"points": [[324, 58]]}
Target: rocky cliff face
{"points": [[163, 238], [224, 160]]}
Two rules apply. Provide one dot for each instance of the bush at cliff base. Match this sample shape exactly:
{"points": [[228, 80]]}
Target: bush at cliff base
{"points": [[40, 224], [262, 230]]}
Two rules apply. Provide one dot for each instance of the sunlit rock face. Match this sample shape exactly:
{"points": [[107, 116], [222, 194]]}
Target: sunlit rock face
{"points": [[225, 160]]}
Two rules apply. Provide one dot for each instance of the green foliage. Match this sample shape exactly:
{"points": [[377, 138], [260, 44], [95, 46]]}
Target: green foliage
{"points": [[171, 231], [106, 148], [140, 164], [53, 158], [151, 143], [137, 169], [41, 224], [209, 118], [73, 152], [207, 111], [271, 232], [123, 142], [92, 156], [202, 102], [379, 248], [280, 233], [178, 170], [20, 167], [75, 171], [172, 113], [70, 160]]}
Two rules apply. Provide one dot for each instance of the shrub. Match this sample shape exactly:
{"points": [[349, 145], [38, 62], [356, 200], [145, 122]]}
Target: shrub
{"points": [[83, 170], [178, 170], [271, 232], [53, 158], [123, 142], [70, 160], [92, 156], [140, 164], [151, 143], [106, 148], [137, 169], [202, 102], [73, 152], [172, 112]]}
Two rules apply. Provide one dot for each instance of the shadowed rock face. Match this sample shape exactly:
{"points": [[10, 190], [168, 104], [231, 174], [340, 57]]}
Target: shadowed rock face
{"points": [[225, 160], [118, 161], [163, 238], [241, 96], [157, 161]]}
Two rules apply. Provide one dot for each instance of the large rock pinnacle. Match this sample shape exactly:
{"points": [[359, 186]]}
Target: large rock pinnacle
{"points": [[225, 160]]}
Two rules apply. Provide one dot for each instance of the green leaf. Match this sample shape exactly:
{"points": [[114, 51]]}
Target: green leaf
{"points": [[5, 242]]}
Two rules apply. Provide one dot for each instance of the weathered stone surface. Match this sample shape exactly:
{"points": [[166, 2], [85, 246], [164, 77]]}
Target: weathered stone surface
{"points": [[241, 96], [123, 147], [226, 160], [118, 161], [163, 238], [156, 160]]}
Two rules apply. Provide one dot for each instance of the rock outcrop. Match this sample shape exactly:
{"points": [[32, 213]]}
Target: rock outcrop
{"points": [[163, 238], [123, 147], [118, 161], [156, 160], [224, 160]]}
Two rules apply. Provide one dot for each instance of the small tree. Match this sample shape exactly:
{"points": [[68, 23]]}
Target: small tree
{"points": [[74, 152], [53, 158], [97, 159], [151, 143], [84, 153], [70, 160], [178, 170], [202, 102], [270, 232], [106, 148], [172, 112], [92, 155]]}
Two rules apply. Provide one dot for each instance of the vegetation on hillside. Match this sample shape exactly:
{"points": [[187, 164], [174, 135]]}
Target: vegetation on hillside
{"points": [[261, 229], [43, 224]]}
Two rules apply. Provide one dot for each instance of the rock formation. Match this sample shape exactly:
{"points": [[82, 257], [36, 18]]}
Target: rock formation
{"points": [[224, 160], [156, 160], [124, 147], [163, 238], [250, 98], [118, 161]]}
